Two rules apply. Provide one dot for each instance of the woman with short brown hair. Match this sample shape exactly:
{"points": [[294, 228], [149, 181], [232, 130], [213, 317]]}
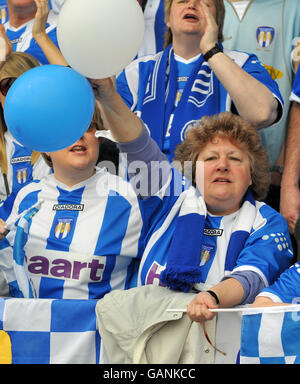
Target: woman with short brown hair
{"points": [[233, 128]]}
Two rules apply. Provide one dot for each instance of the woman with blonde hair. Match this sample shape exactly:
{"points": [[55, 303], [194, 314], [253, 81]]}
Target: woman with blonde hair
{"points": [[19, 165]]}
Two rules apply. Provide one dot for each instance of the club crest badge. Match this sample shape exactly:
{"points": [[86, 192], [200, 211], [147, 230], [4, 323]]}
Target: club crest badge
{"points": [[22, 175], [63, 227], [265, 36], [3, 14], [207, 252]]}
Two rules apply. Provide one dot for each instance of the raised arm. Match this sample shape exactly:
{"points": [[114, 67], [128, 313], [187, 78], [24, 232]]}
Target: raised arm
{"points": [[50, 50], [125, 126], [290, 193], [144, 158], [5, 46], [253, 100]]}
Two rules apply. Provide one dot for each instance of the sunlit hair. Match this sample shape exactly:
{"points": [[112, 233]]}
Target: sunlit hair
{"points": [[220, 15], [239, 132], [15, 65], [95, 123]]}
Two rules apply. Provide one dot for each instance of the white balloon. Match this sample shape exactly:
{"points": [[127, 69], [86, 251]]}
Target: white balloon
{"points": [[98, 38]]}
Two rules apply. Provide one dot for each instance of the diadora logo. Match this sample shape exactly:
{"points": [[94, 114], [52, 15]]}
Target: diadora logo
{"points": [[68, 207], [213, 232], [22, 159], [265, 36]]}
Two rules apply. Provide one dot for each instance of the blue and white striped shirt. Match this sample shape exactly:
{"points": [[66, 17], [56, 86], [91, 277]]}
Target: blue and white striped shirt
{"points": [[84, 241], [23, 41]]}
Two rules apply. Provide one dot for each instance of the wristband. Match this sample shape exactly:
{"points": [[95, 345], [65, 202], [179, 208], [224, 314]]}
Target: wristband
{"points": [[212, 52], [277, 168], [214, 295]]}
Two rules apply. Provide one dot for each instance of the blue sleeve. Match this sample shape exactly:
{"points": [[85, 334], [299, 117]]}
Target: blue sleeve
{"points": [[148, 168], [287, 286], [268, 250], [251, 282], [256, 69], [143, 148]]}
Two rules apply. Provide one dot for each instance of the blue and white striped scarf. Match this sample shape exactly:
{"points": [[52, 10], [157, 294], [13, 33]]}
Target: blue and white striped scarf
{"points": [[184, 252], [19, 261], [201, 96]]}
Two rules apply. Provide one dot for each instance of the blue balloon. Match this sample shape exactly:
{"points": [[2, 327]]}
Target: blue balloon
{"points": [[49, 108]]}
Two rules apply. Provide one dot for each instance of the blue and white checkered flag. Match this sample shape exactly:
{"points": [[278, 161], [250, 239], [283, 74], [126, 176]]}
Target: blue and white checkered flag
{"points": [[270, 335], [48, 331]]}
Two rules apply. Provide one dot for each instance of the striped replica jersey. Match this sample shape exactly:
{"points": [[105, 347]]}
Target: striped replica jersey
{"points": [[19, 168], [270, 29], [83, 241], [23, 41]]}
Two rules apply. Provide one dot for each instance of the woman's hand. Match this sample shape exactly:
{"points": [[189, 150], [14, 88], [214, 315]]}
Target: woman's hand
{"points": [[124, 125], [101, 86], [264, 301], [40, 20], [210, 36], [5, 45], [198, 309], [50, 50]]}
